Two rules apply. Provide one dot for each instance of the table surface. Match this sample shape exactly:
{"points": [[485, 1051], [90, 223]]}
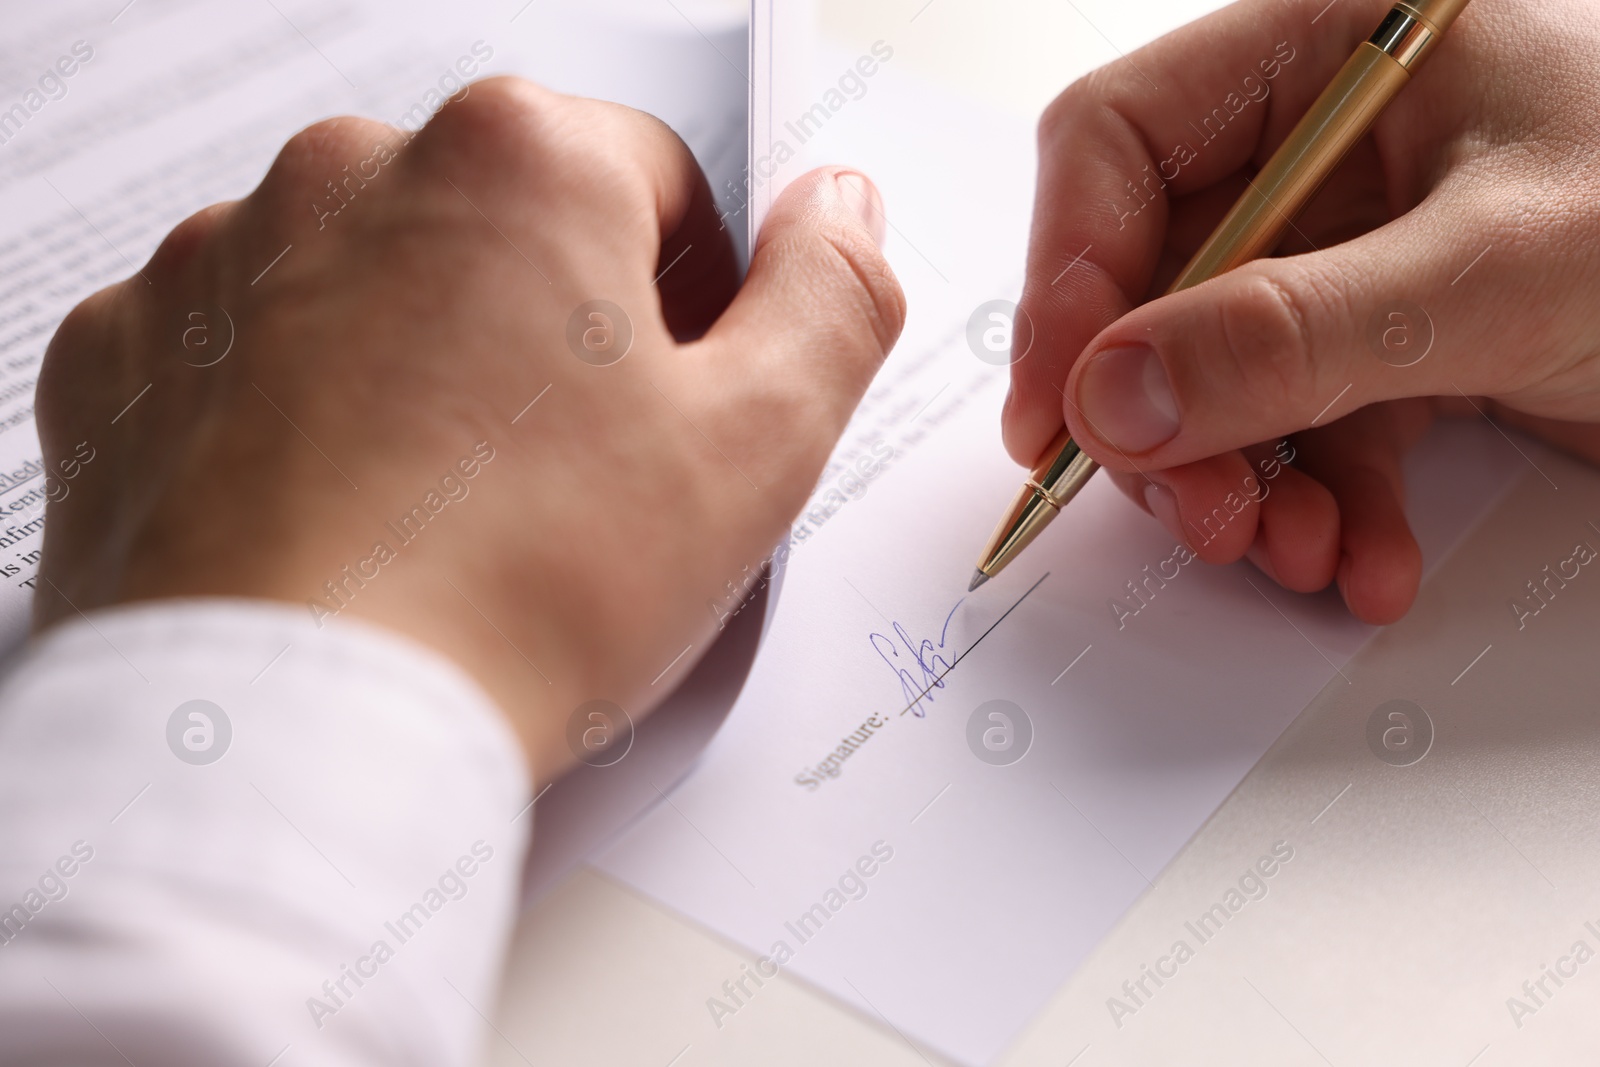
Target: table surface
{"points": [[1419, 898]]}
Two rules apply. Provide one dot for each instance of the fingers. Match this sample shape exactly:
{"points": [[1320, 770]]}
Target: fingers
{"points": [[1297, 540], [638, 220], [651, 205], [1115, 147], [1359, 460], [697, 272], [819, 308], [1211, 506], [1337, 516], [502, 153], [1250, 504], [1380, 564]]}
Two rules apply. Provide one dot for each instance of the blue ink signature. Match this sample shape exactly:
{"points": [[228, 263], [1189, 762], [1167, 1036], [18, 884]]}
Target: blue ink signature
{"points": [[924, 665]]}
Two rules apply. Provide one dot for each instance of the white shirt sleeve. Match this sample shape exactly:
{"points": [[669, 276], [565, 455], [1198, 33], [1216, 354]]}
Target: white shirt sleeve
{"points": [[230, 837]]}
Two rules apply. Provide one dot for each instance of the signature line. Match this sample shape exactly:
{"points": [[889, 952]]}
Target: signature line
{"points": [[975, 644]]}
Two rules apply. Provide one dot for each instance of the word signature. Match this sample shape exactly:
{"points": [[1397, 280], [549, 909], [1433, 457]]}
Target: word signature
{"points": [[920, 666]]}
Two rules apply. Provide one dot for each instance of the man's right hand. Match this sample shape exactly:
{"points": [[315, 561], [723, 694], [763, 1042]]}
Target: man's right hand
{"points": [[1453, 256]]}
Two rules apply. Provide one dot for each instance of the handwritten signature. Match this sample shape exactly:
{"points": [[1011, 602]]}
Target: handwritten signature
{"points": [[920, 666]]}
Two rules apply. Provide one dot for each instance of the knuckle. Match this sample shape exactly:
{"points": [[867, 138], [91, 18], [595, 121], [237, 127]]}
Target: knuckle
{"points": [[1090, 95], [1265, 327], [525, 139], [319, 155], [503, 120], [503, 98], [186, 238], [328, 145]]}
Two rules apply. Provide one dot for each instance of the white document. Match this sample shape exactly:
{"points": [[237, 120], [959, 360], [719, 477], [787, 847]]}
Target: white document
{"points": [[781, 41], [843, 826]]}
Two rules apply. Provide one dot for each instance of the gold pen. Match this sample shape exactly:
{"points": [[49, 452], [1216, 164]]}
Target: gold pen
{"points": [[1341, 116]]}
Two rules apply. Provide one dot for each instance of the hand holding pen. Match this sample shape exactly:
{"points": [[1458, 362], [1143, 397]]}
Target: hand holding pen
{"points": [[1448, 265]]}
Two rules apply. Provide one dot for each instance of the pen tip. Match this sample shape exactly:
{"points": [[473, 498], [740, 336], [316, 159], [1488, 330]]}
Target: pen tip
{"points": [[978, 578]]}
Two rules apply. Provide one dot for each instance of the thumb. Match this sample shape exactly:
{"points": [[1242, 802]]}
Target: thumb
{"points": [[1282, 345], [820, 307]]}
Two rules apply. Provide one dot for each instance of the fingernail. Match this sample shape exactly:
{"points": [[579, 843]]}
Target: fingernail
{"points": [[1127, 399], [1164, 506], [861, 196]]}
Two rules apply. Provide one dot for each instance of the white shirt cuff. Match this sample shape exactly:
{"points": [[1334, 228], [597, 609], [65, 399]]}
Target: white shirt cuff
{"points": [[319, 863]]}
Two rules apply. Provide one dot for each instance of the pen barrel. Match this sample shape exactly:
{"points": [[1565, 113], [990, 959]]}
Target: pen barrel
{"points": [[1063, 470], [1341, 116]]}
